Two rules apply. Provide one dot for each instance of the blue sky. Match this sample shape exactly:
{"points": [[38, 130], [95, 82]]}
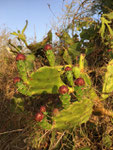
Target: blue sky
{"points": [[13, 14]]}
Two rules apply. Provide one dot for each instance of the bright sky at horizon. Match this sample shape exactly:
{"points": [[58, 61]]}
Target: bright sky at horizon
{"points": [[14, 13]]}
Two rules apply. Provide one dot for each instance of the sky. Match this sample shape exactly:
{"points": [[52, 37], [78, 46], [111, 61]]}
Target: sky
{"points": [[14, 13]]}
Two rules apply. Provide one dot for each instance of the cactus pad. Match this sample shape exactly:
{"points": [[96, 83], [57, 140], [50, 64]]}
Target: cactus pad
{"points": [[45, 80], [76, 114], [108, 81]]}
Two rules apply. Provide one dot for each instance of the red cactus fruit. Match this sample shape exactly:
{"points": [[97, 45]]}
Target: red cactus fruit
{"points": [[63, 89], [68, 69], [42, 109], [16, 79], [47, 47], [109, 50], [20, 57], [79, 82], [39, 116]]}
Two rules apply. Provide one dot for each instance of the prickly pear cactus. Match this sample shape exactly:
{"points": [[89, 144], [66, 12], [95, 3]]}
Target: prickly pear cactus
{"points": [[51, 57], [79, 71], [26, 67], [29, 63], [80, 111], [76, 114], [108, 81], [21, 65], [67, 57], [48, 80], [69, 76], [65, 99], [45, 80], [22, 88]]}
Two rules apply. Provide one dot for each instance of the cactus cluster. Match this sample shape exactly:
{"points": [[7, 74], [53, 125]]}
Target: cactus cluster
{"points": [[48, 80]]}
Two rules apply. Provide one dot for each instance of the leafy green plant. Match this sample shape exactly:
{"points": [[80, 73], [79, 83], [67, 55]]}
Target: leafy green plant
{"points": [[106, 27]]}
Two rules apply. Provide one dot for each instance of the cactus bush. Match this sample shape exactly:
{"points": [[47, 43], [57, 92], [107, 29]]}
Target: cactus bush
{"points": [[76, 81]]}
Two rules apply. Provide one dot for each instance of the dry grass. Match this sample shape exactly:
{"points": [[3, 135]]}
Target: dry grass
{"points": [[7, 73]]}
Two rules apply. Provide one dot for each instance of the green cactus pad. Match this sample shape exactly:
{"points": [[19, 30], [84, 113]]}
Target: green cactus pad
{"points": [[76, 114], [108, 81], [69, 76], [80, 91], [65, 99], [26, 67], [45, 80], [51, 57], [67, 58], [76, 71], [29, 62], [23, 89], [22, 70]]}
